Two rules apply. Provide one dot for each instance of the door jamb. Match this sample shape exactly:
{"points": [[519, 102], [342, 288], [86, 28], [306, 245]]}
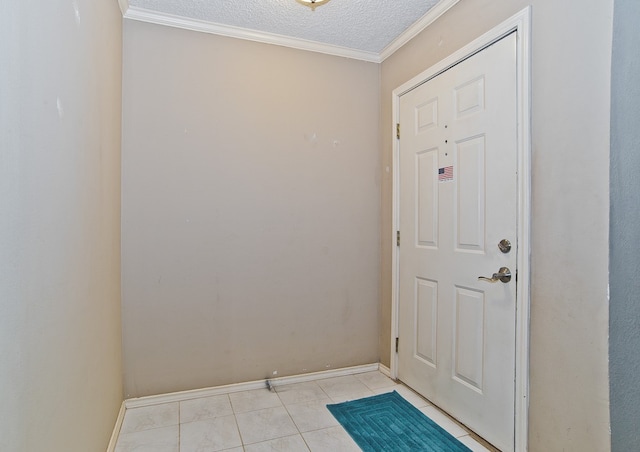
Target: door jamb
{"points": [[520, 23]]}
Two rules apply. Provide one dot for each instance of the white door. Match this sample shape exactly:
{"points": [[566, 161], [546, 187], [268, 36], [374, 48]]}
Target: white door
{"points": [[457, 202]]}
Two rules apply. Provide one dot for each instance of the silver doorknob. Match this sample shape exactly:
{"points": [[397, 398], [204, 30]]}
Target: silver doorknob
{"points": [[504, 275]]}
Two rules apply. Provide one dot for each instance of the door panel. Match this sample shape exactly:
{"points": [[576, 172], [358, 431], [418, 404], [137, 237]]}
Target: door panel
{"points": [[426, 315], [469, 336], [427, 199], [469, 97], [457, 200], [470, 199]]}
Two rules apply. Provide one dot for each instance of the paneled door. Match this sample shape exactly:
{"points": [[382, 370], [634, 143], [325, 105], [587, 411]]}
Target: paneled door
{"points": [[458, 222]]}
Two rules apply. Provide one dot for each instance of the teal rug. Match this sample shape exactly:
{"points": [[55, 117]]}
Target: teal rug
{"points": [[389, 422]]}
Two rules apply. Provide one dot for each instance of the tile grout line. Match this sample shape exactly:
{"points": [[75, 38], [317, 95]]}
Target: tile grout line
{"points": [[291, 417], [179, 427], [326, 399], [235, 418]]}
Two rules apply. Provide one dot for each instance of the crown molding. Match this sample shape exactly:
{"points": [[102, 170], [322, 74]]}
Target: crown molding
{"points": [[145, 15], [431, 16], [171, 20], [124, 6]]}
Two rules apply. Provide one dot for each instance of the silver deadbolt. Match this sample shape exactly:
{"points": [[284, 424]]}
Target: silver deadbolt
{"points": [[504, 275], [504, 246]]}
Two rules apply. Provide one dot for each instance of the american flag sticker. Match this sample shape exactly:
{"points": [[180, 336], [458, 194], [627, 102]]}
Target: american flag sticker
{"points": [[445, 174]]}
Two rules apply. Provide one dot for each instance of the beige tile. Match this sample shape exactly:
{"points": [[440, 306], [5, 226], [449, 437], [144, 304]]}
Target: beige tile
{"points": [[444, 421], [268, 421], [209, 435], [293, 443], [375, 380], [331, 439], [387, 389], [150, 417], [339, 387], [312, 415], [256, 399], [205, 408], [164, 439], [410, 396], [263, 425], [348, 397], [472, 444], [300, 392]]}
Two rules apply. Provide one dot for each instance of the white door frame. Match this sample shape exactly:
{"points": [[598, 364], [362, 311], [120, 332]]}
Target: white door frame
{"points": [[520, 23]]}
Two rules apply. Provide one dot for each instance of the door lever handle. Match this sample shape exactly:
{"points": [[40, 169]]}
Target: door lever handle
{"points": [[504, 275]]}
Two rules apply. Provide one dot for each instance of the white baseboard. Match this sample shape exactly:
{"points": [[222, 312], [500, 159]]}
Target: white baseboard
{"points": [[384, 370], [116, 429], [238, 387]]}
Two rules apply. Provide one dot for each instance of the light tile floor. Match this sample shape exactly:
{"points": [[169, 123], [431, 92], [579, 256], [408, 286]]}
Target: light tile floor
{"points": [[293, 418]]}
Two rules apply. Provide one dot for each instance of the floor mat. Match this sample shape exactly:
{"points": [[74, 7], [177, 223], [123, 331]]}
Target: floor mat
{"points": [[387, 422]]}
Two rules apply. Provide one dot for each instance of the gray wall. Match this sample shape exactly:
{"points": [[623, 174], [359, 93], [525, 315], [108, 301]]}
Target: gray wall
{"points": [[571, 65], [60, 114], [624, 310], [251, 212]]}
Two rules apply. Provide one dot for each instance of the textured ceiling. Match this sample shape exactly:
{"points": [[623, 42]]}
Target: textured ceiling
{"points": [[361, 25]]}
